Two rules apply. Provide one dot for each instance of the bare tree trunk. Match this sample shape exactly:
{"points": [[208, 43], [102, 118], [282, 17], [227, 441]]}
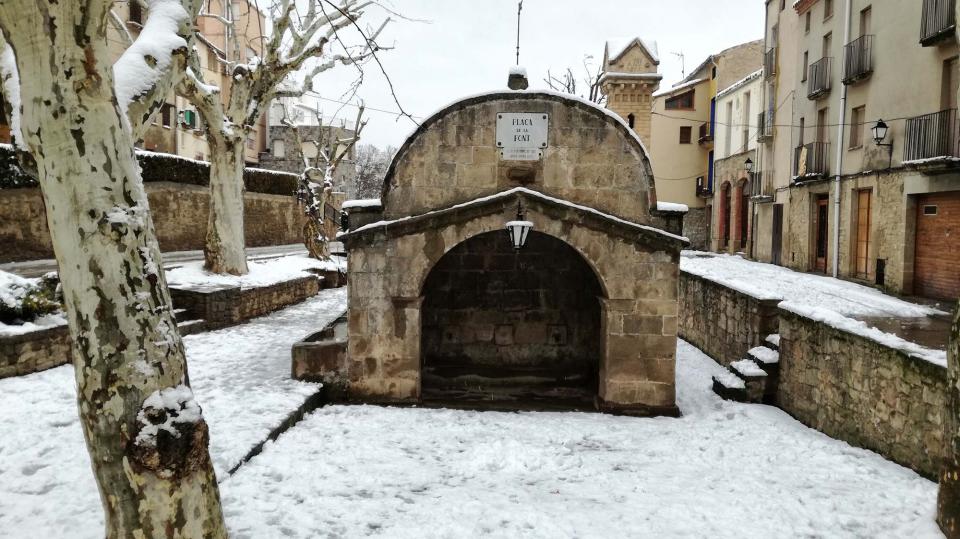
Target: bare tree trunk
{"points": [[948, 501], [224, 248], [145, 433]]}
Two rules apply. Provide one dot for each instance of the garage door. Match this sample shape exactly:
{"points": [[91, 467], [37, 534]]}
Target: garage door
{"points": [[936, 271]]}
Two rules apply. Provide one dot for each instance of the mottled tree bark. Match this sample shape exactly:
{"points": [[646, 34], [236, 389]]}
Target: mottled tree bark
{"points": [[948, 501], [145, 433], [224, 250]]}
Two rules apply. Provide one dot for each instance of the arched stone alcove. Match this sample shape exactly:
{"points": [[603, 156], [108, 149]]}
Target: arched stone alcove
{"points": [[515, 325]]}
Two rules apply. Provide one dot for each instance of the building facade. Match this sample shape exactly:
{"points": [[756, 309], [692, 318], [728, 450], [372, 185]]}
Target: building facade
{"points": [[684, 126], [832, 198], [630, 78], [730, 208]]}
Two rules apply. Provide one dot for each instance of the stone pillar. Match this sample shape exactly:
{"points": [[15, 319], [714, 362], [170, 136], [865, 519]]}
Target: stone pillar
{"points": [[948, 501]]}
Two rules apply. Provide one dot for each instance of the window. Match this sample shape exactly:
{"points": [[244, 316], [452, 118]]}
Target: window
{"points": [[856, 127], [745, 121], [713, 72], [686, 134], [806, 24], [827, 9], [189, 119], [803, 128], [278, 149], [631, 120], [827, 41], [865, 17], [823, 130], [783, 4], [166, 114], [728, 131], [136, 12], [948, 89], [806, 66], [683, 101]]}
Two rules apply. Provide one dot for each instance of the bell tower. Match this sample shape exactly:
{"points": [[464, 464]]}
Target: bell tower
{"points": [[630, 77]]}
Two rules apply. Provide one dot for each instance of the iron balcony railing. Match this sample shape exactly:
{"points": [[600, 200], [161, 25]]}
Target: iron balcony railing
{"points": [[932, 135], [819, 78], [812, 159], [705, 136], [938, 22], [764, 126], [858, 60], [770, 62]]}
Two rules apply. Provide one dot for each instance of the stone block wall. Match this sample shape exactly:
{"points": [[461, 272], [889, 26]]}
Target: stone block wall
{"points": [[222, 306], [179, 214], [34, 351], [860, 391], [723, 322], [534, 310], [696, 228]]}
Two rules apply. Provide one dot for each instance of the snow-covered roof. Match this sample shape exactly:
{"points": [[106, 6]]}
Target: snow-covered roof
{"points": [[639, 76], [678, 87], [616, 47], [518, 70], [530, 193], [740, 83]]}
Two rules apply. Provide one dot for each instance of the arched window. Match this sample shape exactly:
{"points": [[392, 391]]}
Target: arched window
{"points": [[631, 119]]}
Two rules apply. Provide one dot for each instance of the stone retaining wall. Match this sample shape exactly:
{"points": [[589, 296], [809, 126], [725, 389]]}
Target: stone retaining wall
{"points": [[721, 321], [34, 351], [179, 214], [860, 391], [222, 306]]}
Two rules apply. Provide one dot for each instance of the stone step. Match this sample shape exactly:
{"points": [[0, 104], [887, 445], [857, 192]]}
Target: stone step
{"points": [[764, 356], [772, 342], [730, 387], [754, 377], [767, 359], [190, 327]]}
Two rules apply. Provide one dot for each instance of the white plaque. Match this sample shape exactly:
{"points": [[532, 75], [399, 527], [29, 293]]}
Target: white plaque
{"points": [[522, 136]]}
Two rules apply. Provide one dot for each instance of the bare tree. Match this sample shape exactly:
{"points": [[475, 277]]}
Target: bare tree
{"points": [[566, 82], [316, 182], [301, 35], [75, 115], [371, 166]]}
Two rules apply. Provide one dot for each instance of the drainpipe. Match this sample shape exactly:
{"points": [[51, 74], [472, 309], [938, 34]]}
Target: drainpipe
{"points": [[840, 132]]}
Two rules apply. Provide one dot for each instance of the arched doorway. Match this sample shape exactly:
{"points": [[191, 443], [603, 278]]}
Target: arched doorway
{"points": [[725, 201], [514, 328]]}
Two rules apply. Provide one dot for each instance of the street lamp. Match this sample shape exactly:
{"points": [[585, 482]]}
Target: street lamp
{"points": [[879, 131], [519, 229], [748, 165]]}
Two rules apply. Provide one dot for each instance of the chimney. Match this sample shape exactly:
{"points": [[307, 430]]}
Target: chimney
{"points": [[518, 78]]}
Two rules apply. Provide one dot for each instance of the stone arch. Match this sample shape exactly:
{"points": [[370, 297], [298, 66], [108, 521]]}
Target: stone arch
{"points": [[517, 325]]}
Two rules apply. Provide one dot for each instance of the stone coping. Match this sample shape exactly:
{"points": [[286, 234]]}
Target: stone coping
{"points": [[505, 200]]}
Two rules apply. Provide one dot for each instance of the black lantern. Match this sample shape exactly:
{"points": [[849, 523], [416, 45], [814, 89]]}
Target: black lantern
{"points": [[748, 165], [519, 229], [879, 132]]}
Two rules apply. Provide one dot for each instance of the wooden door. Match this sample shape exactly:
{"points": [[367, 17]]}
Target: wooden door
{"points": [[777, 247], [821, 231], [936, 273], [862, 231]]}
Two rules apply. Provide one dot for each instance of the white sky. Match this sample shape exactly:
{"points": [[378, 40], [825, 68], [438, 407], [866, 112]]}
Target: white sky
{"points": [[468, 47]]}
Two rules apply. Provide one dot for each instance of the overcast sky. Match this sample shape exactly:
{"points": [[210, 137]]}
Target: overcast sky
{"points": [[467, 46]]}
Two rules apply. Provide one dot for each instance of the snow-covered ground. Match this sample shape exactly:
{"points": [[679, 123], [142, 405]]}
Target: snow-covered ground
{"points": [[13, 288], [240, 375], [776, 282], [262, 272], [723, 470]]}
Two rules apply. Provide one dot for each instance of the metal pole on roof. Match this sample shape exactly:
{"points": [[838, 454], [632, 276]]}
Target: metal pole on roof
{"points": [[519, 9]]}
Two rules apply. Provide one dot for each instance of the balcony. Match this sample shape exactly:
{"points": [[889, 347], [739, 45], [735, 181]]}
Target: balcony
{"points": [[819, 78], [811, 160], [858, 60], [704, 189], [931, 143], [770, 63], [938, 23], [705, 136], [765, 126]]}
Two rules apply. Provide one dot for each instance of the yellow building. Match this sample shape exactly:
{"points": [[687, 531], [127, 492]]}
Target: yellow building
{"points": [[683, 122]]}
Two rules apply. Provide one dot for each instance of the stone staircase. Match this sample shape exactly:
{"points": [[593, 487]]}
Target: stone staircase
{"points": [[188, 325], [753, 378]]}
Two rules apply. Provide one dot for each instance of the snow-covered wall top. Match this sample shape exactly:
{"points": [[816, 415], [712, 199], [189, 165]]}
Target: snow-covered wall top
{"points": [[592, 158]]}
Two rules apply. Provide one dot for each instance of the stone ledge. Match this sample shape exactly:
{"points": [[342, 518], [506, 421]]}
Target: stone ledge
{"points": [[34, 351]]}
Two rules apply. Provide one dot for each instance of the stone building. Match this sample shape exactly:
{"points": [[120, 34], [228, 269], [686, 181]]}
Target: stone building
{"points": [[630, 77], [893, 221], [730, 204], [683, 129], [284, 154], [441, 304]]}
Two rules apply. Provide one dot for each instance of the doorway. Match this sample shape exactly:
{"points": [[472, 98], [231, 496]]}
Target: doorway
{"points": [[821, 233], [776, 249], [862, 231]]}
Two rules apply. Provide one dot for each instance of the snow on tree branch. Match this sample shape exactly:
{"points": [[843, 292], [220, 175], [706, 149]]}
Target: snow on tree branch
{"points": [[148, 69], [10, 79]]}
